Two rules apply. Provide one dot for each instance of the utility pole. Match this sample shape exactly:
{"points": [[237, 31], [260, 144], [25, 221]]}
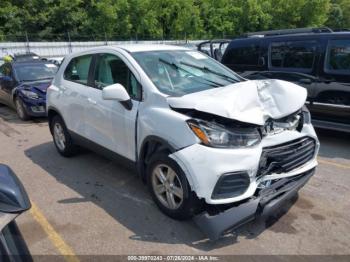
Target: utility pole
{"points": [[69, 43], [106, 41], [27, 43]]}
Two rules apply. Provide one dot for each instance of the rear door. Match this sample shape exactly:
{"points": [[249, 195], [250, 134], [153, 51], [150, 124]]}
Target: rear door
{"points": [[331, 100], [109, 123], [74, 93], [244, 56]]}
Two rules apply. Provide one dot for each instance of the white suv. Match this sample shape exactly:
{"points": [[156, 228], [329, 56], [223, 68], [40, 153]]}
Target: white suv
{"points": [[209, 143]]}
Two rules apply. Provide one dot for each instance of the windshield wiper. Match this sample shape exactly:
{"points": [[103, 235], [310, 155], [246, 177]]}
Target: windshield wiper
{"points": [[214, 84], [45, 78], [204, 68], [33, 80]]}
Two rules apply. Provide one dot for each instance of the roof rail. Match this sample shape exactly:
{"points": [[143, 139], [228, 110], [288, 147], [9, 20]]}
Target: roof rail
{"points": [[289, 32], [341, 30]]}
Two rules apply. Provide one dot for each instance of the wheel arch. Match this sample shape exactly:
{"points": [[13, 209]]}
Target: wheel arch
{"points": [[51, 113], [150, 146]]}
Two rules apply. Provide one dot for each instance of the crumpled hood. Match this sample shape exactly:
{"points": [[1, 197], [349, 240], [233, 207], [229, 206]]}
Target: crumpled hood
{"points": [[36, 86], [252, 101]]}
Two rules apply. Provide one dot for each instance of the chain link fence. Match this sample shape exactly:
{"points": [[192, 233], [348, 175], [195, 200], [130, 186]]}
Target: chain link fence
{"points": [[59, 45]]}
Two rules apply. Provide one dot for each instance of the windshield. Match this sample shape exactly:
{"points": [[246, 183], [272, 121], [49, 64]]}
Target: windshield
{"points": [[178, 73], [33, 72]]}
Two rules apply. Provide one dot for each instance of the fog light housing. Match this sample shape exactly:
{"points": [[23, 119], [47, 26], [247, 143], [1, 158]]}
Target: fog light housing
{"points": [[38, 109], [231, 185]]}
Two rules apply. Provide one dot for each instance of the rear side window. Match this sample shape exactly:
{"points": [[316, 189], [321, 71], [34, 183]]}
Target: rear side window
{"points": [[78, 69], [338, 57], [297, 54], [243, 55]]}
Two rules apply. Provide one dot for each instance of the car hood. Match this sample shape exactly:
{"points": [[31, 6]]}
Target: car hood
{"points": [[252, 101], [40, 86]]}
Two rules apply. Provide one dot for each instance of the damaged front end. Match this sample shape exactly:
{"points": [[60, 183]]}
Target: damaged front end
{"points": [[256, 149], [264, 203]]}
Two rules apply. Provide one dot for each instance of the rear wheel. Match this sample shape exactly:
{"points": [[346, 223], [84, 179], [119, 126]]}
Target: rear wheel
{"points": [[170, 189], [62, 139], [21, 111]]}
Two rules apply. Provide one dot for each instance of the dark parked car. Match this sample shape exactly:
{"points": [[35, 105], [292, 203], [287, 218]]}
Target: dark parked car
{"points": [[315, 58], [13, 201], [23, 86], [20, 57]]}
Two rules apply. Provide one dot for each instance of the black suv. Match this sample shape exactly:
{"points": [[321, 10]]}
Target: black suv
{"points": [[315, 58]]}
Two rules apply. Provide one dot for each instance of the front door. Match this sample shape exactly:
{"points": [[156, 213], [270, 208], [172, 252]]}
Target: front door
{"points": [[109, 123]]}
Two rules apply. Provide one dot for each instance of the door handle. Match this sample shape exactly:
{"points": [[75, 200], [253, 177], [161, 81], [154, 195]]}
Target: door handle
{"points": [[305, 81], [328, 80], [91, 101]]}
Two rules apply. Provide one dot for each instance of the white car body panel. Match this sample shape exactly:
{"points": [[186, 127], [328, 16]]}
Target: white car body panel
{"points": [[110, 124]]}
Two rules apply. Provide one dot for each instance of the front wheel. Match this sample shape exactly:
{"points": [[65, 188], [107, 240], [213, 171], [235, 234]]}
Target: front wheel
{"points": [[21, 111], [170, 189]]}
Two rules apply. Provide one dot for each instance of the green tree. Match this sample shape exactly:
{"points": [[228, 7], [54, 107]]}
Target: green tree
{"points": [[335, 17]]}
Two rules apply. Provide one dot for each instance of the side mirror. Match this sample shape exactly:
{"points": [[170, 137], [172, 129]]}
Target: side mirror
{"points": [[117, 92], [13, 197]]}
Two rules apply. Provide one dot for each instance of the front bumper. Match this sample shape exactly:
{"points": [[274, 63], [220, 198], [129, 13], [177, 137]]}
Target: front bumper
{"points": [[264, 204], [35, 107], [204, 165]]}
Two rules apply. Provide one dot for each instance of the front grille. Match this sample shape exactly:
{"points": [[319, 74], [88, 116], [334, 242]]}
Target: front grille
{"points": [[286, 157], [231, 185]]}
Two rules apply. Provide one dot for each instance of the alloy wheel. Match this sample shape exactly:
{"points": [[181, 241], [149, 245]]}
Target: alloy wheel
{"points": [[19, 108], [167, 186], [59, 136]]}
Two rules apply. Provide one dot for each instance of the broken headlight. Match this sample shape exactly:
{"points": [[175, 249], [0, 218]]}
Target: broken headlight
{"points": [[30, 94], [216, 135], [306, 115]]}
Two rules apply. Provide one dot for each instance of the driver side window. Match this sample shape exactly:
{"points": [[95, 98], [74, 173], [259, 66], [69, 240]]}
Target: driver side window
{"points": [[110, 70]]}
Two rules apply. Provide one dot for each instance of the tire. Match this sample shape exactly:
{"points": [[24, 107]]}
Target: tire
{"points": [[61, 137], [21, 111], [179, 209]]}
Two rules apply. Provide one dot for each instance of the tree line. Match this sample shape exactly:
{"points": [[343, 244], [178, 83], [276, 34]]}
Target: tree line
{"points": [[163, 19]]}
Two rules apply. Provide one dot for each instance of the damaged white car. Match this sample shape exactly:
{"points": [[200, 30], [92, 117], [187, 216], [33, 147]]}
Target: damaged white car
{"points": [[209, 143]]}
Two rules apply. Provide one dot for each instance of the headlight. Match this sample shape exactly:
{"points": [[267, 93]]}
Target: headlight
{"points": [[215, 135], [30, 94], [306, 115]]}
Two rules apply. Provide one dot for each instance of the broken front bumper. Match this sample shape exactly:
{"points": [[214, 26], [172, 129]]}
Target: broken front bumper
{"points": [[267, 202]]}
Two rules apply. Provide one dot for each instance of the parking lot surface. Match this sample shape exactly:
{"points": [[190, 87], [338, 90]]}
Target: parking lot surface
{"points": [[90, 205]]}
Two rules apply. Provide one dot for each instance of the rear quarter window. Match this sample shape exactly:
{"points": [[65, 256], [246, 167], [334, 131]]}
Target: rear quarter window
{"points": [[338, 57], [78, 69]]}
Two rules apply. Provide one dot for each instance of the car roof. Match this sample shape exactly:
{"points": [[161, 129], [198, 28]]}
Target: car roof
{"points": [[30, 62], [258, 37], [24, 54], [130, 48], [149, 47]]}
